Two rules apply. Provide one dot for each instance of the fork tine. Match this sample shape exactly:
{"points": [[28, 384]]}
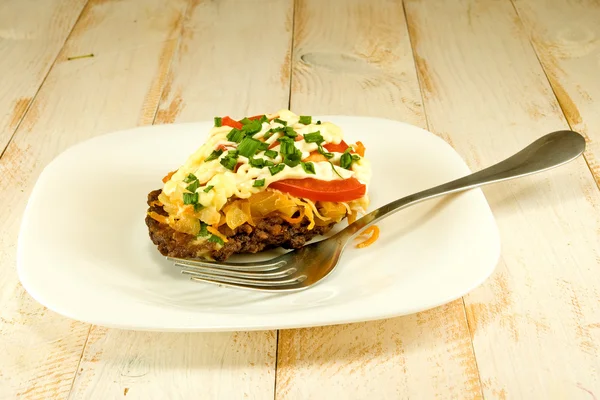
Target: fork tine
{"points": [[266, 265], [218, 272], [248, 283]]}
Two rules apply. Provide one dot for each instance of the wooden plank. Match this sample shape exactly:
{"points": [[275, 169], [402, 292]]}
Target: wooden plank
{"points": [[351, 57], [534, 321], [566, 37], [219, 68], [132, 44], [31, 35]]}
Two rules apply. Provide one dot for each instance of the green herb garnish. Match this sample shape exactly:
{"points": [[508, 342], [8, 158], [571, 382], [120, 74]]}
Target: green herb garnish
{"points": [[216, 239], [252, 127], [305, 119], [275, 169], [314, 137], [335, 170], [292, 159], [193, 186], [214, 155], [190, 198], [272, 131], [289, 132], [346, 160], [230, 160], [280, 121], [245, 121], [203, 230], [190, 178], [308, 167], [235, 135], [259, 183], [271, 153], [256, 162], [208, 188], [198, 207], [263, 146], [218, 122], [248, 147], [322, 151]]}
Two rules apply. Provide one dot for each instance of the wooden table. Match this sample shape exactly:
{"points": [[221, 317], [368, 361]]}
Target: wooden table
{"points": [[487, 76]]}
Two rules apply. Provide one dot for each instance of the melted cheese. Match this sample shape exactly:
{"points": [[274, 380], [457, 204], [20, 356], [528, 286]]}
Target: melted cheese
{"points": [[227, 184]]}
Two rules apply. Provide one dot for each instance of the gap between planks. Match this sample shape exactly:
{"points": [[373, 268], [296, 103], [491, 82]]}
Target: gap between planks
{"points": [[28, 107]]}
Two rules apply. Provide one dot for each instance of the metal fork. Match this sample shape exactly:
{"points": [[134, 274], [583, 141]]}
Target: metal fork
{"points": [[303, 267]]}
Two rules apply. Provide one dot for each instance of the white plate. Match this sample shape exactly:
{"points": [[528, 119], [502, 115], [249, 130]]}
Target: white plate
{"points": [[84, 249]]}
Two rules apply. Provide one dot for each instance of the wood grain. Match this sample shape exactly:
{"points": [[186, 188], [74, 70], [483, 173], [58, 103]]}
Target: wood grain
{"points": [[531, 321], [31, 35], [80, 98], [346, 63], [212, 73], [566, 37]]}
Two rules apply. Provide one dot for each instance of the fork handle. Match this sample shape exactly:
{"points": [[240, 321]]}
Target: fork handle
{"points": [[547, 152]]}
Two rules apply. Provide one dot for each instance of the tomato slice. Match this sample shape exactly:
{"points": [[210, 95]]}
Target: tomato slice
{"points": [[317, 190], [231, 122], [336, 148]]}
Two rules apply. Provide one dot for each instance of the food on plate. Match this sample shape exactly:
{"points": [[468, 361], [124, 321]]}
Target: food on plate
{"points": [[275, 180]]}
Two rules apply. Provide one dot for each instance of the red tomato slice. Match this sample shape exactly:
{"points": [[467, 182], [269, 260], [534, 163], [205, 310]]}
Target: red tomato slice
{"points": [[337, 148], [231, 122], [317, 190]]}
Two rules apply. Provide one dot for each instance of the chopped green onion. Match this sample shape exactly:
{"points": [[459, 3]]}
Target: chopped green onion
{"points": [[335, 170], [252, 127], [235, 135], [293, 159], [259, 183], [308, 167], [248, 147], [268, 163], [305, 119], [286, 147], [203, 230], [263, 146], [214, 155], [355, 157], [276, 169], [256, 162], [346, 160], [322, 151], [272, 131], [289, 132], [198, 207], [190, 198], [280, 121], [230, 160], [271, 153], [208, 188], [218, 122], [193, 186], [245, 121], [216, 239], [263, 118], [190, 178], [314, 137]]}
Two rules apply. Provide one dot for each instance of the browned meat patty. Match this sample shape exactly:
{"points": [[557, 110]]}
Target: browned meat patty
{"points": [[270, 232]]}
